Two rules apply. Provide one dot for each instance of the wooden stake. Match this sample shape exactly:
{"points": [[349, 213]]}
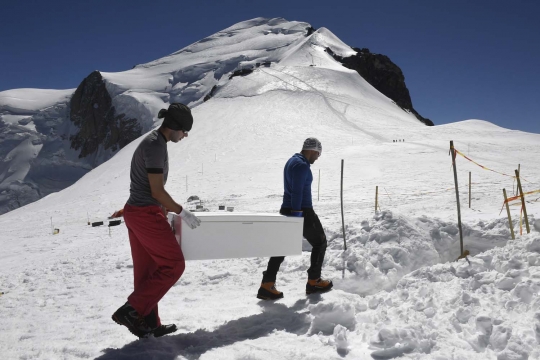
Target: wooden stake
{"points": [[523, 202], [515, 189], [342, 216], [509, 217], [376, 197], [453, 152], [469, 189]]}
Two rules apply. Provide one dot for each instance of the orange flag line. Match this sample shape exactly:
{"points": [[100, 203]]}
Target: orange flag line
{"points": [[518, 197], [482, 166]]}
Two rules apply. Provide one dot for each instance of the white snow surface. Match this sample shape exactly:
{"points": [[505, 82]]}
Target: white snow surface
{"points": [[26, 101], [399, 293]]}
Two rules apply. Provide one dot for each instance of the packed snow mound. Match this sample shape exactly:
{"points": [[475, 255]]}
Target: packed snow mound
{"points": [[488, 304], [390, 245]]}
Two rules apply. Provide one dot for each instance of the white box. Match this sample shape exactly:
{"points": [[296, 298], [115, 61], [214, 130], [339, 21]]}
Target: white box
{"points": [[236, 235]]}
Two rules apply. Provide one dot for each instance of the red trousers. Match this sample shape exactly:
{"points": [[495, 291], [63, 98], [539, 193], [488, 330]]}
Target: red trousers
{"points": [[158, 261]]}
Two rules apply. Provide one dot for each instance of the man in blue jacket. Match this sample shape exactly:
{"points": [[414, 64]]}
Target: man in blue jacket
{"points": [[297, 179]]}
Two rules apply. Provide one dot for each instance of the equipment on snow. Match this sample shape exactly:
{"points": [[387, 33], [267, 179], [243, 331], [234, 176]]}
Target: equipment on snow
{"points": [[226, 235]]}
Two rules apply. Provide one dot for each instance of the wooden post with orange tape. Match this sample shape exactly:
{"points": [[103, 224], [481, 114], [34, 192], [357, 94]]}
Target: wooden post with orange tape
{"points": [[523, 202], [509, 217], [463, 252]]}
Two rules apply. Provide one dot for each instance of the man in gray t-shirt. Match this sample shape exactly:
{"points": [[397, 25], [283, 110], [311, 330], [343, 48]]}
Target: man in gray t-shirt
{"points": [[151, 157], [158, 261]]}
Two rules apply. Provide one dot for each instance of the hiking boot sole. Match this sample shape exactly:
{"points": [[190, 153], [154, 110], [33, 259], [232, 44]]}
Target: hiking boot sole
{"points": [[319, 290], [262, 297]]}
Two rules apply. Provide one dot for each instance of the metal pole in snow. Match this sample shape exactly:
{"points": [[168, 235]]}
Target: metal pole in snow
{"points": [[509, 217], [342, 216], [519, 171], [453, 153]]}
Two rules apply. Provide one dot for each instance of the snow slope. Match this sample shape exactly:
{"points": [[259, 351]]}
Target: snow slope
{"points": [[398, 293]]}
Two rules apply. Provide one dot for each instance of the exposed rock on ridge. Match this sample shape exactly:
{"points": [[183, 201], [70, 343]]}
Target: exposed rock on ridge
{"points": [[92, 111], [383, 75]]}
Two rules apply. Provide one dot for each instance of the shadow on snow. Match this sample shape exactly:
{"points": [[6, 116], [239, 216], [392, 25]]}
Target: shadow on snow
{"points": [[274, 316]]}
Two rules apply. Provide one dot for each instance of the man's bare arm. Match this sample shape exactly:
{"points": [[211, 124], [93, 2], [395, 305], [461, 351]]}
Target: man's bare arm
{"points": [[160, 194]]}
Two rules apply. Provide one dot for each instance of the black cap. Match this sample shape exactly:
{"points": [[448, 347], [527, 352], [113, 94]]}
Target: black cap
{"points": [[177, 117]]}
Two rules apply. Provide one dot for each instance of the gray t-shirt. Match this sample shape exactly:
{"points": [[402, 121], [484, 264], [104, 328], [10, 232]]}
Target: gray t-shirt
{"points": [[150, 157]]}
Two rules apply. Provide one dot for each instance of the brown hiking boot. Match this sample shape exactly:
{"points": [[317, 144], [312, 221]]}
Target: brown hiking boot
{"points": [[318, 285], [268, 291]]}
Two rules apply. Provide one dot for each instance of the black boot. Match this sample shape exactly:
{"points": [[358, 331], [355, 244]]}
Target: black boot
{"points": [[127, 316], [164, 330]]}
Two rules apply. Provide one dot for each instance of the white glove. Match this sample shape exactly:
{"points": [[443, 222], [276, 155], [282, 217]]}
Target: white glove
{"points": [[191, 220]]}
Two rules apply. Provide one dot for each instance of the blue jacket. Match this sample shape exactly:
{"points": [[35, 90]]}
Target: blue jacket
{"points": [[297, 179]]}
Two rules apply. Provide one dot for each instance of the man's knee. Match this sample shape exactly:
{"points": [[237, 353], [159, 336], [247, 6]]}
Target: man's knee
{"points": [[179, 268], [174, 271], [320, 244]]}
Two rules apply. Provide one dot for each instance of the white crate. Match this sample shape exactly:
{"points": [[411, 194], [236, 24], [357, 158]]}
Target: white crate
{"points": [[236, 235]]}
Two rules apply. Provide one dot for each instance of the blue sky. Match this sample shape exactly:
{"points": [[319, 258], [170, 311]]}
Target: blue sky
{"points": [[461, 59]]}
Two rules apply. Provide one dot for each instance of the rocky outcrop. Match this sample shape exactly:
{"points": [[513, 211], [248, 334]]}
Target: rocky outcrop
{"points": [[383, 75], [99, 124]]}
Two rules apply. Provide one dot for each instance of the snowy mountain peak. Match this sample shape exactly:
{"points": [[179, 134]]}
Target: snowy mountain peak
{"points": [[52, 137]]}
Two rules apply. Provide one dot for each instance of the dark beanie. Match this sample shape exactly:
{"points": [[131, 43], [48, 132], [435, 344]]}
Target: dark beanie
{"points": [[177, 117]]}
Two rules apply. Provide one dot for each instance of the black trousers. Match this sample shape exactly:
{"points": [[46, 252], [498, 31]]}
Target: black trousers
{"points": [[314, 234]]}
